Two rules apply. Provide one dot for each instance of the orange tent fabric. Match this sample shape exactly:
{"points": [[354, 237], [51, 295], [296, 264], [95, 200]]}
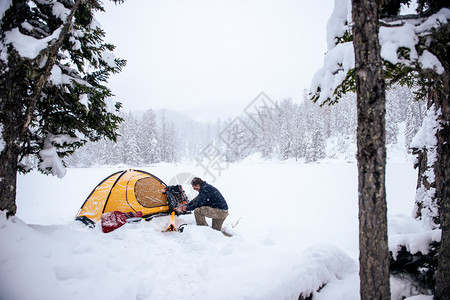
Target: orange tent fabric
{"points": [[125, 191]]}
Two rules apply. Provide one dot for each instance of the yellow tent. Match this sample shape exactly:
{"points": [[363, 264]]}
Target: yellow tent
{"points": [[125, 191]]}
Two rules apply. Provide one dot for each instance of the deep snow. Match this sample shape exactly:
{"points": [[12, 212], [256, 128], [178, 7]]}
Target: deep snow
{"points": [[297, 226]]}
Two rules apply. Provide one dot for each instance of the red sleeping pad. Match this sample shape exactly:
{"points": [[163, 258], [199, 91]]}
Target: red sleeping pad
{"points": [[115, 219]]}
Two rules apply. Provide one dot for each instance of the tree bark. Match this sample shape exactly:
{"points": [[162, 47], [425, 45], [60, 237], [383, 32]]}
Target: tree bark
{"points": [[442, 171], [371, 136], [8, 163]]}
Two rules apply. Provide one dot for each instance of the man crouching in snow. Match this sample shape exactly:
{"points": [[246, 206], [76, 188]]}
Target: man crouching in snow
{"points": [[208, 203]]}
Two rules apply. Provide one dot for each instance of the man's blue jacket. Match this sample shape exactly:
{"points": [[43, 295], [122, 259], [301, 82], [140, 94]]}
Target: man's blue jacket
{"points": [[208, 196]]}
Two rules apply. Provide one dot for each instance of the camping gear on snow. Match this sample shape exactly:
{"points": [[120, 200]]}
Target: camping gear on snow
{"points": [[129, 191], [115, 219], [175, 196]]}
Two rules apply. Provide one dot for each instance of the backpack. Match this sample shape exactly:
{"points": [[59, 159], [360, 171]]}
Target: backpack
{"points": [[175, 196]]}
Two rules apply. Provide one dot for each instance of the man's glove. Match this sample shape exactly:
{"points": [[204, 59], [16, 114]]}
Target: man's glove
{"points": [[181, 208]]}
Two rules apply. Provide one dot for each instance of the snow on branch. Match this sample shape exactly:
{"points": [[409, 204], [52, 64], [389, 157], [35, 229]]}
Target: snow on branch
{"points": [[49, 155], [60, 11], [337, 63], [339, 22], [61, 74], [399, 47], [426, 136], [28, 46], [426, 204], [414, 235]]}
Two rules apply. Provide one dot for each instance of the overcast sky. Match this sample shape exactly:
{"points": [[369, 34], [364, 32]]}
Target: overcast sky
{"points": [[214, 56]]}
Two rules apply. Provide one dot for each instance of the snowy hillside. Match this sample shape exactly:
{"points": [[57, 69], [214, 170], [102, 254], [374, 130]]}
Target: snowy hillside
{"points": [[297, 227]]}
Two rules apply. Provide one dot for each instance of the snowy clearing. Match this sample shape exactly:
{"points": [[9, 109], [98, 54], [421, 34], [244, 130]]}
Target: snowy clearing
{"points": [[297, 228]]}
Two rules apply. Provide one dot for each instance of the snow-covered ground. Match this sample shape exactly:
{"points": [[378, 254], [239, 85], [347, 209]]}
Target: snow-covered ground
{"points": [[297, 226]]}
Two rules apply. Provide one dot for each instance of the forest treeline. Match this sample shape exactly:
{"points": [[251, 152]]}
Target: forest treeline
{"points": [[277, 130]]}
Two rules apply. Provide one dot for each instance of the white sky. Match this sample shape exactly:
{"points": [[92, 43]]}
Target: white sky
{"points": [[214, 56]]}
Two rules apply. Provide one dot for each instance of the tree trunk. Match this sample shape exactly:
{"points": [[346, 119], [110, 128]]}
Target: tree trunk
{"points": [[442, 172], [371, 136], [8, 178], [9, 156], [11, 118]]}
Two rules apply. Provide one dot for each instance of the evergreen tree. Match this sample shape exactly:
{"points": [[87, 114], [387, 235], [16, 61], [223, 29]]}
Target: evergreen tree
{"points": [[162, 138], [414, 118], [166, 140], [147, 137], [341, 145], [103, 153], [298, 148], [131, 153], [52, 93], [391, 123], [430, 74], [358, 65], [422, 64], [238, 139], [172, 148], [265, 128], [287, 111], [315, 148]]}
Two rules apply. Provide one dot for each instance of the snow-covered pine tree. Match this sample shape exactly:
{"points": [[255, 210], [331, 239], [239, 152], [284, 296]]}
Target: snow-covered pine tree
{"points": [[298, 144], [357, 66], [398, 101], [392, 128], [314, 141], [341, 119], [191, 145], [286, 140], [426, 65], [162, 137], [418, 59], [85, 157], [99, 153], [311, 153], [264, 126], [414, 119], [315, 144], [341, 145], [131, 153], [239, 140], [166, 140], [54, 64], [172, 146], [147, 137]]}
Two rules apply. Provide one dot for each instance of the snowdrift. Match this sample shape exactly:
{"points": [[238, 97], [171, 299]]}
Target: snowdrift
{"points": [[138, 261], [304, 240]]}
